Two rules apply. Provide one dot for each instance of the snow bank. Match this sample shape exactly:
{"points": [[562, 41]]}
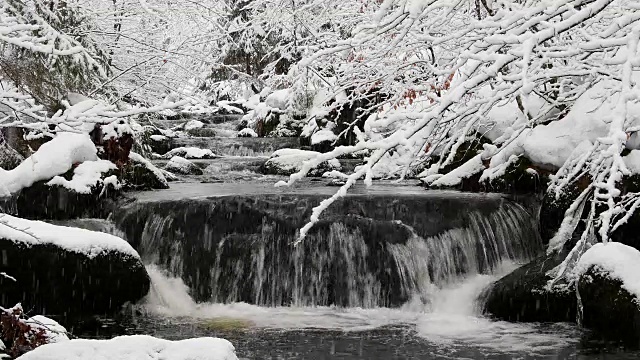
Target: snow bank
{"points": [[190, 153], [136, 347], [85, 176], [53, 158], [618, 261], [82, 241]]}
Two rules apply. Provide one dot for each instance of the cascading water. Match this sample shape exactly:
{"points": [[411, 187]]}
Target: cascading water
{"points": [[238, 249], [404, 272]]}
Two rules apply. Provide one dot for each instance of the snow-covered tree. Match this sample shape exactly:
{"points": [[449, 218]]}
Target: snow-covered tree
{"points": [[550, 80]]}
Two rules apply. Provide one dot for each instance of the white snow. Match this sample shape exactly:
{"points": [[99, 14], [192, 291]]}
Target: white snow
{"points": [[292, 159], [180, 165], [54, 332], [278, 99], [247, 132], [193, 124], [158, 137], [136, 347], [90, 243], [53, 158], [323, 135], [618, 261], [473, 166], [632, 161], [190, 153], [85, 176]]}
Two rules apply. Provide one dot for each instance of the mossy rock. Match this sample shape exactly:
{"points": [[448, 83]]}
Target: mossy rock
{"points": [[202, 132], [227, 324], [522, 295]]}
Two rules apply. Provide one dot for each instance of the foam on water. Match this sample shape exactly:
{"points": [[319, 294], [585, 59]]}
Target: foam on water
{"points": [[450, 320]]}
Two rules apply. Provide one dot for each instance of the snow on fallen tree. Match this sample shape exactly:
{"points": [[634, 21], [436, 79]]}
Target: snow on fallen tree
{"points": [[136, 347]]}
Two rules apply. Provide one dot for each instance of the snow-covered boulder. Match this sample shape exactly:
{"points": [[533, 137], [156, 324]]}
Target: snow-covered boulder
{"points": [[247, 132], [609, 288], [141, 174], [193, 124], [55, 157], [278, 99], [67, 271], [135, 347], [182, 166], [289, 161], [190, 153]]}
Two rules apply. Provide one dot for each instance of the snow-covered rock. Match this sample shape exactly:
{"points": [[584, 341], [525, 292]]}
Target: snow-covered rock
{"points": [[278, 99], [616, 261], [180, 165], [89, 243], [86, 176], [289, 161], [324, 135], [53, 158], [158, 137], [609, 287], [54, 332], [136, 347], [62, 270], [190, 153], [193, 124], [141, 174], [247, 132]]}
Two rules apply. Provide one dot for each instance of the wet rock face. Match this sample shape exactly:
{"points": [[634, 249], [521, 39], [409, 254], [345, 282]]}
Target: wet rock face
{"points": [[53, 281], [521, 295], [41, 201], [609, 309], [137, 176], [366, 251]]}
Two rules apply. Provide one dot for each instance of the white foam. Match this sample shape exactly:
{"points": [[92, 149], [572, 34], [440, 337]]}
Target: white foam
{"points": [[449, 320]]}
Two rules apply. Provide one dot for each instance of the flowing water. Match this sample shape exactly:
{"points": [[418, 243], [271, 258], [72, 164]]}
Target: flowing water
{"points": [[396, 278], [389, 272]]}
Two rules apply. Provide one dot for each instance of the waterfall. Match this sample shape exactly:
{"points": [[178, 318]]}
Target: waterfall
{"points": [[380, 253]]}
